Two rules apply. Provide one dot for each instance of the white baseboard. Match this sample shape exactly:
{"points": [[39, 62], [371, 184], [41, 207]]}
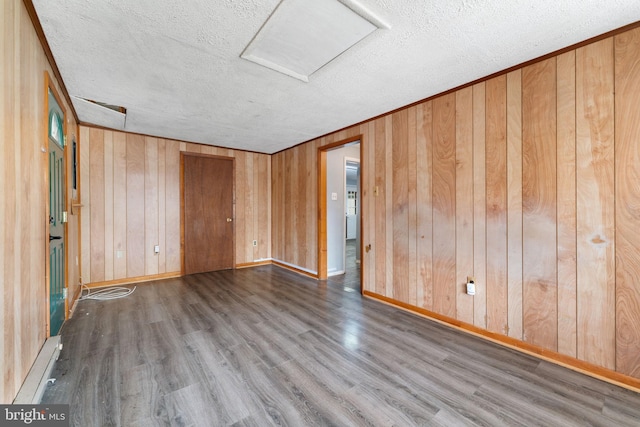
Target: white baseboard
{"points": [[33, 387]]}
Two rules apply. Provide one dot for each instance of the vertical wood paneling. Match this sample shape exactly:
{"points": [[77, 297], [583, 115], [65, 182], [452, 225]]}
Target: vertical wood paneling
{"points": [[172, 200], [135, 207], [464, 202], [496, 180], [479, 206], [162, 206], [108, 206], [85, 220], [150, 205], [412, 204], [380, 207], [243, 231], [368, 211], [400, 209], [539, 269], [514, 203], [424, 166], [627, 193], [444, 205], [567, 309], [96, 166], [119, 205], [388, 200], [595, 203], [24, 196], [300, 175]]}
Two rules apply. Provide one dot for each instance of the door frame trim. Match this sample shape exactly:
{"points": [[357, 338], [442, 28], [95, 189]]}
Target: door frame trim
{"points": [[322, 205], [48, 85], [183, 154]]}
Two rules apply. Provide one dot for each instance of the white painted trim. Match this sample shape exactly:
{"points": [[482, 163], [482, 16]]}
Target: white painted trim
{"points": [[33, 387]]}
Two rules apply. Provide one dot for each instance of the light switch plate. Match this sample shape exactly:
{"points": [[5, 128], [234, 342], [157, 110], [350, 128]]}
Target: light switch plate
{"points": [[156, 249]]}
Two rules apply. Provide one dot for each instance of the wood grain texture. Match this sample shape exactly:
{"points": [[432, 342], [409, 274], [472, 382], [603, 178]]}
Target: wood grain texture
{"points": [[567, 258], [96, 165], [157, 193], [387, 193], [400, 209], [479, 205], [514, 203], [224, 349], [424, 232], [208, 214], [380, 207], [151, 224], [464, 202], [24, 196], [444, 205], [412, 200], [108, 206], [135, 207], [539, 269], [496, 180], [627, 200], [595, 203]]}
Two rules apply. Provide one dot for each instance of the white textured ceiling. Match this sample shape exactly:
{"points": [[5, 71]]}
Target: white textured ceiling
{"points": [[176, 67]]}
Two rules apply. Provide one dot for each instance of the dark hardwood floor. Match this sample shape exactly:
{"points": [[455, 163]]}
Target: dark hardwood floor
{"points": [[265, 346]]}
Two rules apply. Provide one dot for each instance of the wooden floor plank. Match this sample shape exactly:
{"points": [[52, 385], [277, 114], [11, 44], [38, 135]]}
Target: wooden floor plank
{"points": [[265, 346]]}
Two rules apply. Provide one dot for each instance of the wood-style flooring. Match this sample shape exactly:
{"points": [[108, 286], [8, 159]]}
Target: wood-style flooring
{"points": [[265, 346]]}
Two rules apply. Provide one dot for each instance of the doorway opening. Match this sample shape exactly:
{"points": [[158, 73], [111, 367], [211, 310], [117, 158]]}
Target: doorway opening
{"points": [[339, 227]]}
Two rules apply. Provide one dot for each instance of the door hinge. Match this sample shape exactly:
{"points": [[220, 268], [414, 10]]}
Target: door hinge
{"points": [[64, 216], [64, 293]]}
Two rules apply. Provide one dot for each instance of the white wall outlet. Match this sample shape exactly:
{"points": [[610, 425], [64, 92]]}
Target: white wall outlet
{"points": [[119, 254], [255, 243], [471, 286], [156, 249], [334, 196]]}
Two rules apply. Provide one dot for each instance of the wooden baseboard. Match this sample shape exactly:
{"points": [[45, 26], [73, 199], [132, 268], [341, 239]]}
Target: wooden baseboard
{"points": [[132, 280], [294, 269], [583, 367], [254, 263]]}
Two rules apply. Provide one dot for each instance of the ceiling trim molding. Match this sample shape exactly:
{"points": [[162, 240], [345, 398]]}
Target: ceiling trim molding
{"points": [[482, 79], [35, 21]]}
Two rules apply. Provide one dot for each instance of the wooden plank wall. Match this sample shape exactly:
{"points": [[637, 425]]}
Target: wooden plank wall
{"points": [[24, 197], [521, 181], [133, 188]]}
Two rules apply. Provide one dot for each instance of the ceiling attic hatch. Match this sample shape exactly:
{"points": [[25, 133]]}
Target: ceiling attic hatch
{"points": [[100, 113], [302, 36]]}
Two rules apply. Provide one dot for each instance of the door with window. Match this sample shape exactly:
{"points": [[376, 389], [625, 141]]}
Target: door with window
{"points": [[56, 219]]}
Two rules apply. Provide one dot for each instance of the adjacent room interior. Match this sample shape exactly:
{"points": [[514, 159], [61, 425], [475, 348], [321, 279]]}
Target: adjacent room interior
{"points": [[386, 212]]}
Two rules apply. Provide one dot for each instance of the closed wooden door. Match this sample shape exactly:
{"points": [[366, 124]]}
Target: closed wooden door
{"points": [[208, 214]]}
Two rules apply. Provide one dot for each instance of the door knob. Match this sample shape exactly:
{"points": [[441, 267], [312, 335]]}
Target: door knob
{"points": [[229, 219], [54, 237]]}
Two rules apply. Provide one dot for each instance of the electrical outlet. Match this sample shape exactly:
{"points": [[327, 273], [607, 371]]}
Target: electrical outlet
{"points": [[156, 249], [255, 243]]}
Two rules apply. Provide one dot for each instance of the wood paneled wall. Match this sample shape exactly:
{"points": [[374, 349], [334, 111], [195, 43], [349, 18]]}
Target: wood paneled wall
{"points": [[24, 198], [528, 181], [131, 192]]}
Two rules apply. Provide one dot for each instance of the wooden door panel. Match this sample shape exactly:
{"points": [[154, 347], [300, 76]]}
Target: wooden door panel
{"points": [[208, 209]]}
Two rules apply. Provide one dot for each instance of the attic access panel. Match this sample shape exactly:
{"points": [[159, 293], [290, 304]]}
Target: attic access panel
{"points": [[302, 36]]}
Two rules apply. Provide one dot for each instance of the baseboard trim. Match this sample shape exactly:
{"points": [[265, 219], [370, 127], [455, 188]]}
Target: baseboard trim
{"points": [[254, 263], [33, 386], [133, 280], [572, 363], [295, 268]]}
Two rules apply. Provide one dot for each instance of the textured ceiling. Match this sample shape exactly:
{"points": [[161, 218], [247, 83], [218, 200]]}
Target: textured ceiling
{"points": [[176, 67]]}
